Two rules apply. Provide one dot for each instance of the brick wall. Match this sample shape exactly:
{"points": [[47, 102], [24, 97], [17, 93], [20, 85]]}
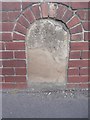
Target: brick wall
{"points": [[15, 22]]}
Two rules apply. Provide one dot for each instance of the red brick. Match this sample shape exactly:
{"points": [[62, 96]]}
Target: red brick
{"points": [[14, 85], [71, 85], [7, 71], [0, 5], [20, 79], [0, 63], [78, 79], [86, 26], [0, 28], [77, 37], [18, 36], [6, 36], [73, 72], [83, 14], [85, 85], [2, 46], [11, 6], [75, 55], [15, 79], [0, 36], [8, 86], [66, 3], [4, 16], [23, 22], [78, 63], [1, 80], [78, 5], [79, 45], [78, 85], [0, 16], [15, 45], [13, 15], [21, 29], [87, 36], [77, 29], [7, 26], [0, 55], [20, 71], [14, 63], [74, 21], [84, 71], [20, 54], [44, 8], [60, 12], [29, 16], [7, 55], [88, 15], [26, 4], [36, 11], [67, 16], [0, 71], [85, 55]]}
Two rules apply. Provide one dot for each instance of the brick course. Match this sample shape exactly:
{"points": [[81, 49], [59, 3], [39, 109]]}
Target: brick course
{"points": [[74, 21], [7, 26], [11, 6], [6, 36], [23, 21], [15, 45], [18, 36], [13, 15]]}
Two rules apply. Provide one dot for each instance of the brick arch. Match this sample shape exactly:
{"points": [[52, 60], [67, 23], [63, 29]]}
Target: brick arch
{"points": [[55, 11]]}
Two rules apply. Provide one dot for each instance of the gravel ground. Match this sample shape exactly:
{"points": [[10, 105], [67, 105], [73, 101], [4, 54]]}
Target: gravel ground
{"points": [[45, 103]]}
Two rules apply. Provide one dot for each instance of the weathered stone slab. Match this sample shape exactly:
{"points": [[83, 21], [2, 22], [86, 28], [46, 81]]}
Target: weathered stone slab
{"points": [[47, 51]]}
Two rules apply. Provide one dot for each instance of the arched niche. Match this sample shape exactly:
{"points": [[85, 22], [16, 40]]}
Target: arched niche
{"points": [[47, 52]]}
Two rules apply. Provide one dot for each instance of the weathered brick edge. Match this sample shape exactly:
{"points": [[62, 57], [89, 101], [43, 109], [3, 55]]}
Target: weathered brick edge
{"points": [[16, 20]]}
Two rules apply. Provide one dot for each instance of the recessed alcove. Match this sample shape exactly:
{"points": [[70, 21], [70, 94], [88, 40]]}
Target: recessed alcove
{"points": [[47, 52]]}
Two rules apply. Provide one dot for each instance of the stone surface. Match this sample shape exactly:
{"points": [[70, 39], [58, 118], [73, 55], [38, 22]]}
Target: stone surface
{"points": [[47, 51], [48, 104]]}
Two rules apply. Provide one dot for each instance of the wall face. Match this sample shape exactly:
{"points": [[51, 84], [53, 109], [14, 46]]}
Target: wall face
{"points": [[16, 21]]}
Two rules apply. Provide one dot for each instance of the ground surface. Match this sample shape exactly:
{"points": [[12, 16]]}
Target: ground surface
{"points": [[45, 104]]}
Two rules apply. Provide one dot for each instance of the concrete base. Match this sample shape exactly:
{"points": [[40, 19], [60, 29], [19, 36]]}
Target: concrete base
{"points": [[47, 104]]}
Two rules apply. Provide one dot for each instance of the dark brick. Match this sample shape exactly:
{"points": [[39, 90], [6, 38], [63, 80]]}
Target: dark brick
{"points": [[77, 29], [20, 54], [67, 16], [11, 6], [60, 12], [21, 29], [23, 21], [17, 36], [15, 45], [29, 16], [36, 11], [14, 63]]}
